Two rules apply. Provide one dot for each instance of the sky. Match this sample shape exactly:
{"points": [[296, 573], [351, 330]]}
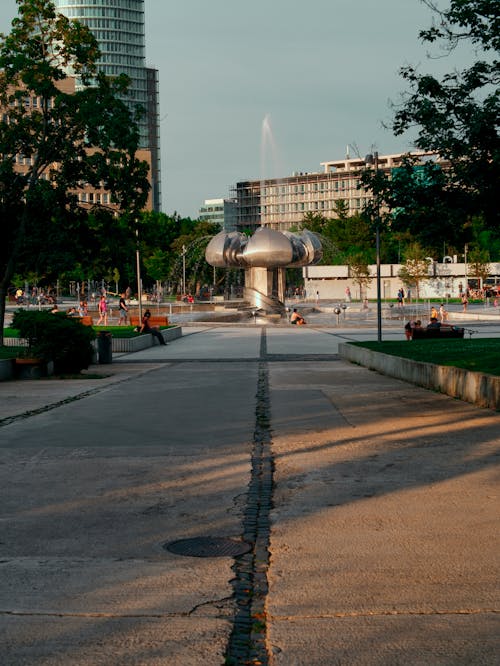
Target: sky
{"points": [[266, 88]]}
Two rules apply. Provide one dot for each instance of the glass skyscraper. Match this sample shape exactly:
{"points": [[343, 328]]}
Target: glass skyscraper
{"points": [[118, 26]]}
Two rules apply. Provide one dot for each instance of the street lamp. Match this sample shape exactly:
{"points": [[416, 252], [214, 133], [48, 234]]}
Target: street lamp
{"points": [[465, 268], [138, 264], [373, 159], [184, 270]]}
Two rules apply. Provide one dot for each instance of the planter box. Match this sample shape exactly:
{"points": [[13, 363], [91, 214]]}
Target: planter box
{"points": [[6, 369], [130, 345]]}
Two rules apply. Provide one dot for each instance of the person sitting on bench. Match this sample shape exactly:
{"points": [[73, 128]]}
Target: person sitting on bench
{"points": [[146, 328], [434, 323], [297, 318]]}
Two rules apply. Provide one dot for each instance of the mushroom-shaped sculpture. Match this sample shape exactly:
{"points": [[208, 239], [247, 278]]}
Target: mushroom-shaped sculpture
{"points": [[264, 256], [268, 249]]}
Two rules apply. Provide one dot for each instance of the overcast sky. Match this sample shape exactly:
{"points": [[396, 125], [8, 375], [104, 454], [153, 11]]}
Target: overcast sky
{"points": [[322, 72]]}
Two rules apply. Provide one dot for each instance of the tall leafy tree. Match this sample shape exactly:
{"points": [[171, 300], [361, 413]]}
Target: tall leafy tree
{"points": [[359, 272], [65, 139], [458, 114], [415, 268], [479, 264], [414, 201]]}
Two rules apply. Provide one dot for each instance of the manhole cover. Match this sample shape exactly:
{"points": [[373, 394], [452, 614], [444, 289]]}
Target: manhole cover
{"points": [[208, 547]]}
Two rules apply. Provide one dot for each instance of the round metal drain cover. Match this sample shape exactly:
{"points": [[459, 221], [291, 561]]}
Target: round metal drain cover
{"points": [[208, 547]]}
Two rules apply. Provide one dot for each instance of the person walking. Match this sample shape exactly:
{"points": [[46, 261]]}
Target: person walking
{"points": [[103, 311], [123, 310]]}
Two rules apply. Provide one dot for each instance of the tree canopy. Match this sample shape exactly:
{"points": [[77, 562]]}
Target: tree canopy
{"points": [[457, 117], [54, 139]]}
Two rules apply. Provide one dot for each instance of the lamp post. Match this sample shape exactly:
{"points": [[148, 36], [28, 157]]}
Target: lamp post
{"points": [[465, 268], [379, 296], [184, 270], [138, 265], [373, 159]]}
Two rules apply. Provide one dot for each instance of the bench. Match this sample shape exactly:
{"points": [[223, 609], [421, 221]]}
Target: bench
{"points": [[154, 320], [86, 321], [437, 333]]}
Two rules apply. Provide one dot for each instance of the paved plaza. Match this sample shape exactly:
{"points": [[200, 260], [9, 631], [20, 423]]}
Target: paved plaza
{"points": [[368, 510]]}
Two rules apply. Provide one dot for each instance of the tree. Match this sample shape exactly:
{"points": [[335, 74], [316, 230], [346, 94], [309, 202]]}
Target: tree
{"points": [[359, 272], [341, 236], [458, 115], [189, 248], [416, 267], [64, 138], [415, 204], [479, 264]]}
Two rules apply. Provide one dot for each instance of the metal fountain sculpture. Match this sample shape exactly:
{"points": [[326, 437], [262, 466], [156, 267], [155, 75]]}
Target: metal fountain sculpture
{"points": [[265, 256]]}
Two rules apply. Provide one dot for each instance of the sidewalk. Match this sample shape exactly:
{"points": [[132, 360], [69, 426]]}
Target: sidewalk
{"points": [[377, 546]]}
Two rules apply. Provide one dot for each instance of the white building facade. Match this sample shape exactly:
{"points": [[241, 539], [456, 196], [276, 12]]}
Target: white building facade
{"points": [[446, 280]]}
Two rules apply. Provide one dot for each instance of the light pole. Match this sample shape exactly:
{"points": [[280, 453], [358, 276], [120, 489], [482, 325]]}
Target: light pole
{"points": [[183, 270], [138, 265], [373, 159], [465, 268], [379, 296]]}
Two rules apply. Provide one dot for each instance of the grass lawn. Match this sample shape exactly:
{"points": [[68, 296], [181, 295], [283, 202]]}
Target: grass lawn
{"points": [[480, 355], [116, 331]]}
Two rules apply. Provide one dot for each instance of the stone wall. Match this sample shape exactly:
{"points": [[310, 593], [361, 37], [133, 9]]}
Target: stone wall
{"points": [[478, 388]]}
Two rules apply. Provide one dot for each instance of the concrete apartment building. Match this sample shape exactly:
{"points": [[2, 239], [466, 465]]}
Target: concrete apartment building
{"points": [[281, 203], [119, 28]]}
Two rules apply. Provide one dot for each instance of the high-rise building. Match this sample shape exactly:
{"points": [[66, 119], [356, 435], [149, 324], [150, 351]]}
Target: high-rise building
{"points": [[118, 26]]}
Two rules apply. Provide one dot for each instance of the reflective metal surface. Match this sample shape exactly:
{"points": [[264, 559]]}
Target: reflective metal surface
{"points": [[265, 249]]}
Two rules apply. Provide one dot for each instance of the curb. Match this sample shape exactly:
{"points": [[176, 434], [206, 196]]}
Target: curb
{"points": [[477, 388]]}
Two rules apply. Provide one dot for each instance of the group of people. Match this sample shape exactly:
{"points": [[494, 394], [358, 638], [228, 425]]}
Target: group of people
{"points": [[441, 315], [436, 320], [103, 310]]}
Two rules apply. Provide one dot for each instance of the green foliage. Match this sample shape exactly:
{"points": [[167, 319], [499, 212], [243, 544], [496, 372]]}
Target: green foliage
{"points": [[478, 263], [457, 115], [190, 246], [67, 139], [416, 204], [346, 239], [359, 271], [416, 267], [57, 338]]}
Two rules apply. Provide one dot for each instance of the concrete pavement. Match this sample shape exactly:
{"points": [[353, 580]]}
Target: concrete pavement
{"points": [[377, 543]]}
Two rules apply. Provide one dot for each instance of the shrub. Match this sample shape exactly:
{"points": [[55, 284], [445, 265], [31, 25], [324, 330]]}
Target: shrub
{"points": [[57, 338]]}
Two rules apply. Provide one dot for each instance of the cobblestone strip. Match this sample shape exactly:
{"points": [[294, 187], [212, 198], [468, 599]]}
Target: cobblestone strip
{"points": [[247, 644]]}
